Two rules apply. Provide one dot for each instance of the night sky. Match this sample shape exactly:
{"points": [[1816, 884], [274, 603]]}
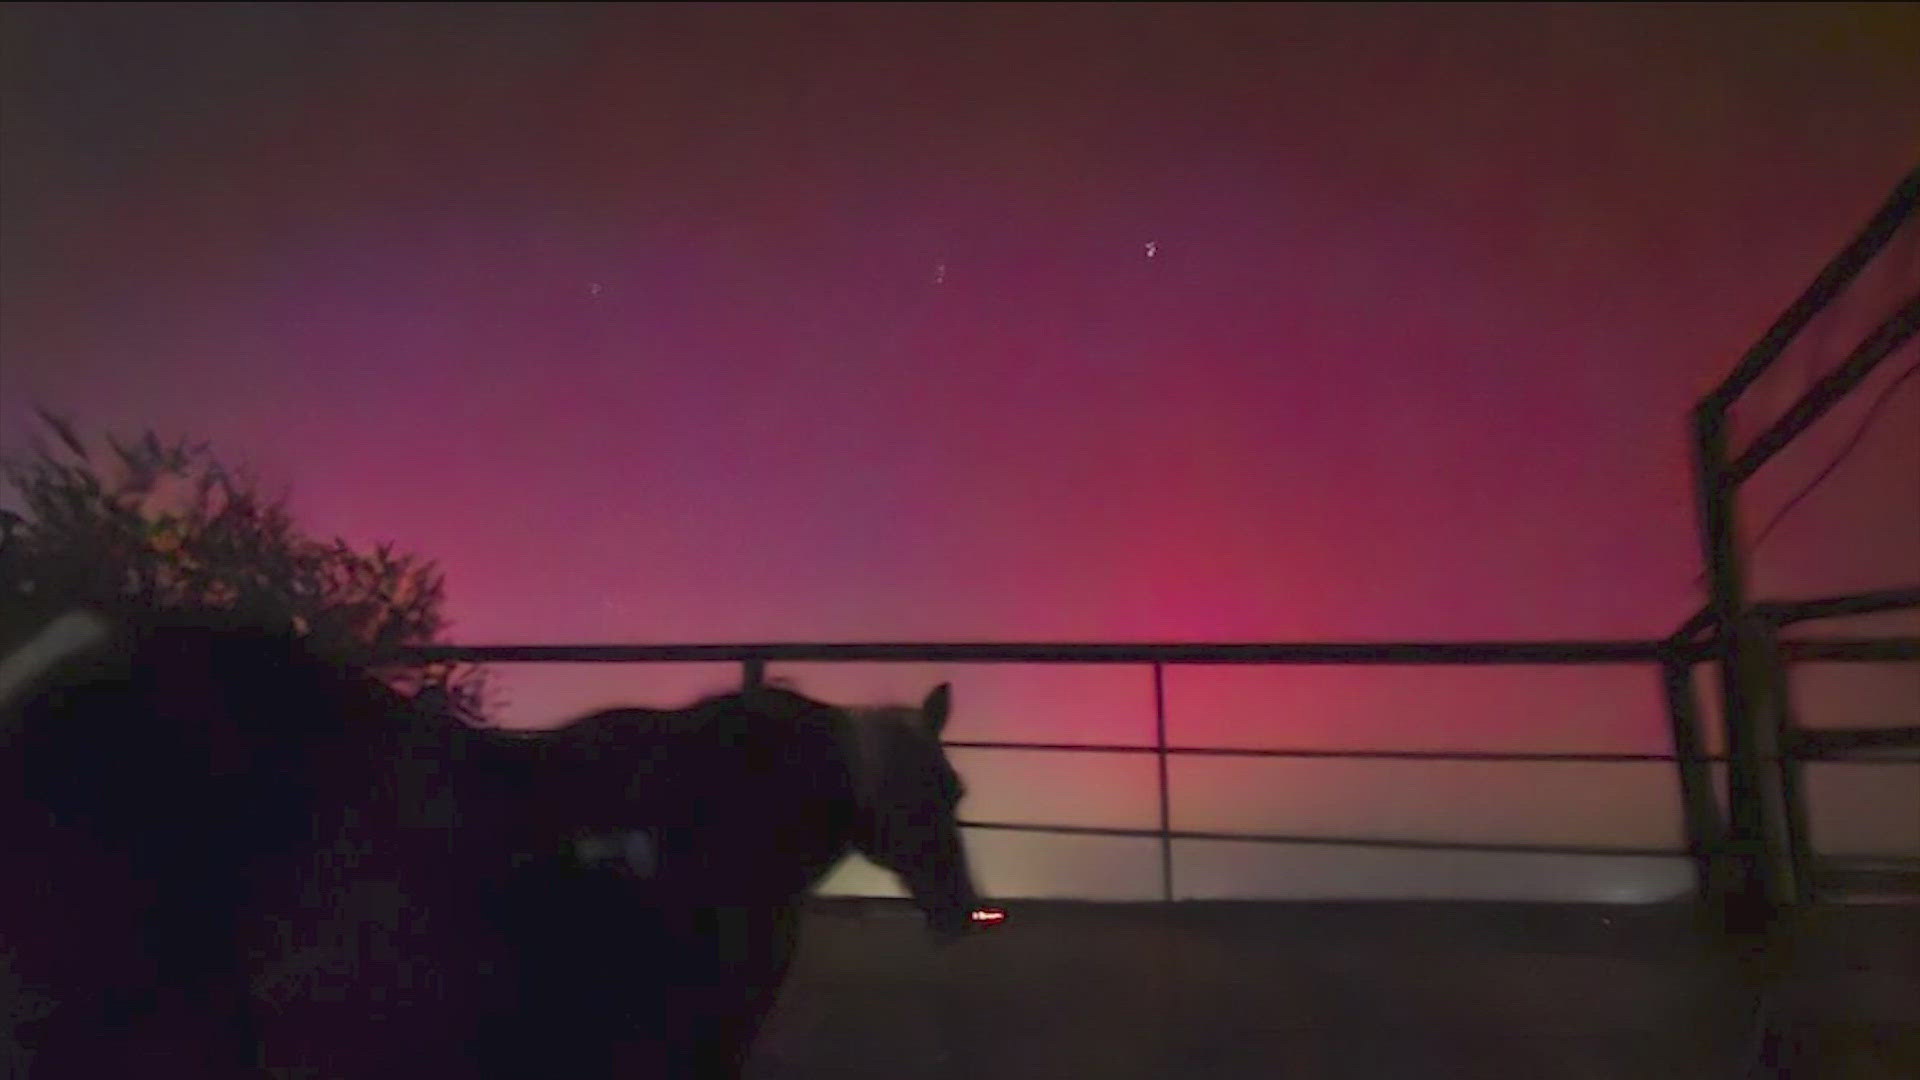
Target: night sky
{"points": [[1128, 323]]}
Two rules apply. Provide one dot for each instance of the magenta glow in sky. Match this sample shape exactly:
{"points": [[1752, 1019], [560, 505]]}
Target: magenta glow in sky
{"points": [[669, 324]]}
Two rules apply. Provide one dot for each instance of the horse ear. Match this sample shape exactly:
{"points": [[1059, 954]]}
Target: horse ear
{"points": [[938, 704]]}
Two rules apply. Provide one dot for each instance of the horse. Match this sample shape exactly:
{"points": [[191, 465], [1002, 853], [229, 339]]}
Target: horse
{"points": [[249, 861], [709, 887]]}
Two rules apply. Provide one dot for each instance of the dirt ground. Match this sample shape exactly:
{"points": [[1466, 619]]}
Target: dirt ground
{"points": [[1350, 990]]}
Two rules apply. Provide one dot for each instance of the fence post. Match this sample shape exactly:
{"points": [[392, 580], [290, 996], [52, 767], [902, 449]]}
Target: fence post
{"points": [[1698, 806], [1755, 846], [1160, 756], [753, 674], [1779, 729]]}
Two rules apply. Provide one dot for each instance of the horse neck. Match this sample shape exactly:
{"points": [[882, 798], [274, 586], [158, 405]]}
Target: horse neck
{"points": [[861, 742]]}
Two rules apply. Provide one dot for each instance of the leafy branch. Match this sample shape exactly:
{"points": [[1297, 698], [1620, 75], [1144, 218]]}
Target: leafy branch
{"points": [[166, 527]]}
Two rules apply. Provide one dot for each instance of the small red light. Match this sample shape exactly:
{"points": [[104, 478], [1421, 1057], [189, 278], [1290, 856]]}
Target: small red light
{"points": [[988, 916]]}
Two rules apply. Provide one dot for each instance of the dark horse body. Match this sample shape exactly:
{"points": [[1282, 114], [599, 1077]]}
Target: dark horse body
{"points": [[239, 861], [688, 840]]}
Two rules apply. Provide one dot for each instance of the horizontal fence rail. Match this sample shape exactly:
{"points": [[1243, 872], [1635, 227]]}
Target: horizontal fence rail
{"points": [[1384, 755], [1856, 650], [1550, 653], [1787, 612], [1334, 841], [1878, 601], [1450, 652]]}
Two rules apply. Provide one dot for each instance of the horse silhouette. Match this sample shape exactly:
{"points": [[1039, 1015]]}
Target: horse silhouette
{"points": [[685, 842], [241, 860]]}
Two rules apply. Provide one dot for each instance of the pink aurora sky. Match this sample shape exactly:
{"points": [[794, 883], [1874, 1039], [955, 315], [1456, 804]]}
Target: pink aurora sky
{"points": [[869, 323]]}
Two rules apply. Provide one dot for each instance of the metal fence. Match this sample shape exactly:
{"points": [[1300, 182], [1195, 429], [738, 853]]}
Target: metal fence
{"points": [[1673, 659]]}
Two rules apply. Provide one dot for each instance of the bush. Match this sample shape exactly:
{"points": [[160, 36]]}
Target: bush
{"points": [[165, 527]]}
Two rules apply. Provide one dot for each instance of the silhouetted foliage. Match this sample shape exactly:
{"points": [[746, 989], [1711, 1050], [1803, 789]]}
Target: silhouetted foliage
{"points": [[165, 527]]}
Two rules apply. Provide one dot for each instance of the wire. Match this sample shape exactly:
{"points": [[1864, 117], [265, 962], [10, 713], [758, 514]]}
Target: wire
{"points": [[1859, 433]]}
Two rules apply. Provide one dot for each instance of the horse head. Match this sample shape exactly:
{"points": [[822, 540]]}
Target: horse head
{"points": [[906, 794]]}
